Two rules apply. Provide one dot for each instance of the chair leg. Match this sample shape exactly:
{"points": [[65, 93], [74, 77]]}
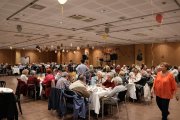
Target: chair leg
{"points": [[19, 105], [118, 110], [102, 109], [35, 92], [89, 111]]}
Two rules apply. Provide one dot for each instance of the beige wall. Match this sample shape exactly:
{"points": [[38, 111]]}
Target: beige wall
{"points": [[164, 52]]}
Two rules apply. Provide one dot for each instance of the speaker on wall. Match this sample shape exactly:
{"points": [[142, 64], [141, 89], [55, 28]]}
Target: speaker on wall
{"points": [[84, 57], [114, 56]]}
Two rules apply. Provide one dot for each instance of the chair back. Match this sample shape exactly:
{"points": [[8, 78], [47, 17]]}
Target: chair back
{"points": [[2, 84], [142, 82], [122, 95], [21, 87]]}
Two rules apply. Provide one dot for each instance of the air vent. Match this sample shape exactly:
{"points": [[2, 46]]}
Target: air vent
{"points": [[88, 29], [89, 20], [16, 19], [69, 37], [77, 17], [122, 17], [37, 7], [59, 35], [29, 36], [108, 25], [140, 34], [16, 35]]}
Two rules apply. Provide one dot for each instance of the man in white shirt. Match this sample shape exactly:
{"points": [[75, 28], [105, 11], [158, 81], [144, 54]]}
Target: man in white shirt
{"points": [[82, 68]]}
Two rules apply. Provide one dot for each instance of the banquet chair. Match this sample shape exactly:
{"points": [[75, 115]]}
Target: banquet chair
{"points": [[32, 90], [110, 101], [2, 84], [122, 96], [77, 103], [20, 89]]}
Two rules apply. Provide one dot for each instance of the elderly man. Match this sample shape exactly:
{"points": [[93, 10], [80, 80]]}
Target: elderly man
{"points": [[118, 87], [79, 87], [63, 81]]}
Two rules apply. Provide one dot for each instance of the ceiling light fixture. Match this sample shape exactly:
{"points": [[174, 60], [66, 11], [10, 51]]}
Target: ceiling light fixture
{"points": [[78, 48], [62, 2]]}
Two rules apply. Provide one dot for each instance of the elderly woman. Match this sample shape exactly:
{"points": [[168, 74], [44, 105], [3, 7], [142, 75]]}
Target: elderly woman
{"points": [[98, 79], [32, 80], [24, 77], [109, 83], [47, 82], [118, 87], [134, 76], [123, 77]]}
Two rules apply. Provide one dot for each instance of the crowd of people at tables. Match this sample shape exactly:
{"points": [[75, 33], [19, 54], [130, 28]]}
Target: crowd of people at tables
{"points": [[78, 77]]}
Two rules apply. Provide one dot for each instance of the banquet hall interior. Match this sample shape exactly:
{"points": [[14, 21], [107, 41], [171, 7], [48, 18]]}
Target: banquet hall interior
{"points": [[56, 57]]}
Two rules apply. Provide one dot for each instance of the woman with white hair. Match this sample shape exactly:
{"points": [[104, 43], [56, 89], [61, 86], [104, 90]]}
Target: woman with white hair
{"points": [[98, 79], [119, 87], [24, 77]]}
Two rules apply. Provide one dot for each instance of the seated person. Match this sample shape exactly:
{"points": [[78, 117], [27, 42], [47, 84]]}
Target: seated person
{"points": [[48, 78], [134, 76], [63, 81], [123, 77], [98, 79], [79, 87], [109, 83], [46, 83], [33, 80], [119, 87], [24, 77]]}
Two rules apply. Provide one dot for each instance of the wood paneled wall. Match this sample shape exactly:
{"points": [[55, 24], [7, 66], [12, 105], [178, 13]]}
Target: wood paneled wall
{"points": [[7, 56], [162, 52], [153, 55]]}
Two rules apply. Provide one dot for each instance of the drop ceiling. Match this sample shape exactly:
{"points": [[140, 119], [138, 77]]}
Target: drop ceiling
{"points": [[83, 23]]}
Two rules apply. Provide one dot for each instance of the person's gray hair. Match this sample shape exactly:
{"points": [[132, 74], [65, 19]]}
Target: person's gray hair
{"points": [[118, 80], [33, 72], [64, 74]]}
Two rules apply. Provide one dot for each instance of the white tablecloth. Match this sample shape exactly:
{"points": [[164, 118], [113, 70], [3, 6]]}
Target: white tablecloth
{"points": [[15, 70], [131, 90], [5, 90], [97, 93]]}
